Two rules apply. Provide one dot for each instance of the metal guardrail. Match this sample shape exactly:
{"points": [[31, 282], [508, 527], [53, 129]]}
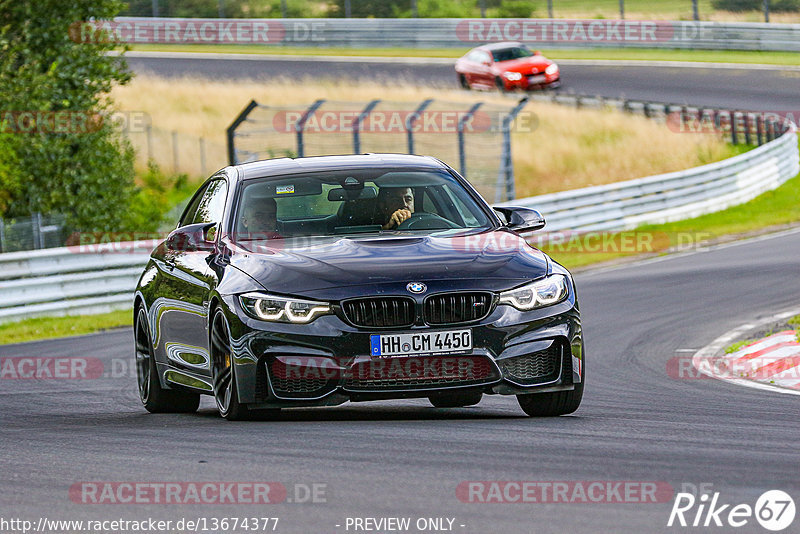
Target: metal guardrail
{"points": [[672, 196], [460, 33], [70, 280]]}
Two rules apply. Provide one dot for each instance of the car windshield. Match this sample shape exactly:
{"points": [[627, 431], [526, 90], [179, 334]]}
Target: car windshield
{"points": [[508, 54], [355, 201]]}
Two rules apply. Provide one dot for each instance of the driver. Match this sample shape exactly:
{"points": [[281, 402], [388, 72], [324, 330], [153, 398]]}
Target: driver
{"points": [[260, 220], [395, 205]]}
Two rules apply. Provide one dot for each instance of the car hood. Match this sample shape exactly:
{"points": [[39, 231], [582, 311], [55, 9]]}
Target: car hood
{"points": [[330, 267], [527, 65]]}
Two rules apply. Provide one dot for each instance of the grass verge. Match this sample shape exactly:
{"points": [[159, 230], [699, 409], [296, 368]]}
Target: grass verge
{"points": [[56, 327], [707, 56]]}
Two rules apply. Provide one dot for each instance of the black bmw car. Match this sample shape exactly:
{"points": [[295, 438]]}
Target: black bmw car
{"points": [[316, 281]]}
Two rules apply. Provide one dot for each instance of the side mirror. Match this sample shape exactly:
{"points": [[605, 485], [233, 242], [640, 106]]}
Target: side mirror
{"points": [[521, 219], [193, 238]]}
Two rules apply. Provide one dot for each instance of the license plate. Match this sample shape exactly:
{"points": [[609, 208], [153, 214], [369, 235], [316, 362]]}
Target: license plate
{"points": [[540, 78], [421, 343]]}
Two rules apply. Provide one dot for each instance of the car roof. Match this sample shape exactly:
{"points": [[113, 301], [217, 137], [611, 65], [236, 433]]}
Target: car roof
{"points": [[284, 166], [500, 46]]}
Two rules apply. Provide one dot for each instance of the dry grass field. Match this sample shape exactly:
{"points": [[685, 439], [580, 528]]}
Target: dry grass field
{"points": [[568, 148]]}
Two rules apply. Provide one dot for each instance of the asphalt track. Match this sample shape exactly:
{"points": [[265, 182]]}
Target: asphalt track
{"points": [[740, 88], [404, 458]]}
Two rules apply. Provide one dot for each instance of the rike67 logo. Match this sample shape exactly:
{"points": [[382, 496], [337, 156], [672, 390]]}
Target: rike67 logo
{"points": [[774, 510]]}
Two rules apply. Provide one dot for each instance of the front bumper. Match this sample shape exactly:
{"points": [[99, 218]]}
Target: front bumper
{"points": [[328, 362], [531, 82]]}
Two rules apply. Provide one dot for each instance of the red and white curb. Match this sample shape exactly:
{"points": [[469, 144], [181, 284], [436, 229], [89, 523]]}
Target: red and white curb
{"points": [[772, 363]]}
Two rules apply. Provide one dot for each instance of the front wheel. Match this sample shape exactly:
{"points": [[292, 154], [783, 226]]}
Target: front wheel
{"points": [[462, 81], [224, 371], [551, 404], [500, 84], [156, 399]]}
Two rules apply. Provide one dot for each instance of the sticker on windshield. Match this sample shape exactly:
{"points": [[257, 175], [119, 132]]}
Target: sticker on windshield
{"points": [[284, 189]]}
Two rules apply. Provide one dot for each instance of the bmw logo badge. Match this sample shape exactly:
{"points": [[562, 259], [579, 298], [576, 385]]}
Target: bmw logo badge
{"points": [[417, 287]]}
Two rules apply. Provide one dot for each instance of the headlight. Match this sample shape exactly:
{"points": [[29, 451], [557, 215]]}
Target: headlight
{"points": [[281, 309], [545, 292], [551, 69], [513, 76]]}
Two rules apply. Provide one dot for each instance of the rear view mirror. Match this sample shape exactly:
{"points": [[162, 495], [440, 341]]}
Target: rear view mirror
{"points": [[340, 194], [521, 219]]}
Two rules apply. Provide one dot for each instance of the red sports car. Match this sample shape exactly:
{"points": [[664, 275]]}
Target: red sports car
{"points": [[506, 66]]}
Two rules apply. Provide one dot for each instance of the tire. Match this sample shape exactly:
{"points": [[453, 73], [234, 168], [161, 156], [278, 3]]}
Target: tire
{"points": [[462, 81], [154, 398], [551, 404], [455, 400], [500, 84], [226, 393]]}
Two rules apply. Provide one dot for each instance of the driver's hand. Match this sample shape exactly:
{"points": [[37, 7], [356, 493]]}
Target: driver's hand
{"points": [[397, 218]]}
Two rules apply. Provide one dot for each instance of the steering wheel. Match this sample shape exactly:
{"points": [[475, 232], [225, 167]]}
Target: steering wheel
{"points": [[422, 220]]}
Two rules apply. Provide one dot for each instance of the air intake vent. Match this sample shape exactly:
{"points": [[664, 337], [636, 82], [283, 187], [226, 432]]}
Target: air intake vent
{"points": [[454, 308], [380, 312]]}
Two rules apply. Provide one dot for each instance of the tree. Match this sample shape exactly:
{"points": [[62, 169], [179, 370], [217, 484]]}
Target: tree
{"points": [[80, 167]]}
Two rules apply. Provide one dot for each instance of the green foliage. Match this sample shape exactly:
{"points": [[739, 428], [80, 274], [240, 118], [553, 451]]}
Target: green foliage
{"points": [[210, 8], [150, 206], [10, 175], [756, 5], [515, 9], [86, 174]]}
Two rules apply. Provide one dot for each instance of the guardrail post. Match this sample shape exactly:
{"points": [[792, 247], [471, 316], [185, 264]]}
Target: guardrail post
{"points": [[506, 161], [748, 138], [36, 223], [231, 131], [462, 155], [411, 119], [2, 236], [734, 115], [760, 129], [357, 125], [301, 124]]}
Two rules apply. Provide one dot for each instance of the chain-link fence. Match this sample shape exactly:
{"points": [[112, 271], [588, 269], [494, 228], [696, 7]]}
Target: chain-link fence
{"points": [[473, 138], [30, 233], [177, 152]]}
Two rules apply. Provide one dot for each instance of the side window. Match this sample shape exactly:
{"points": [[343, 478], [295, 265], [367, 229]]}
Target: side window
{"points": [[191, 210], [212, 204]]}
